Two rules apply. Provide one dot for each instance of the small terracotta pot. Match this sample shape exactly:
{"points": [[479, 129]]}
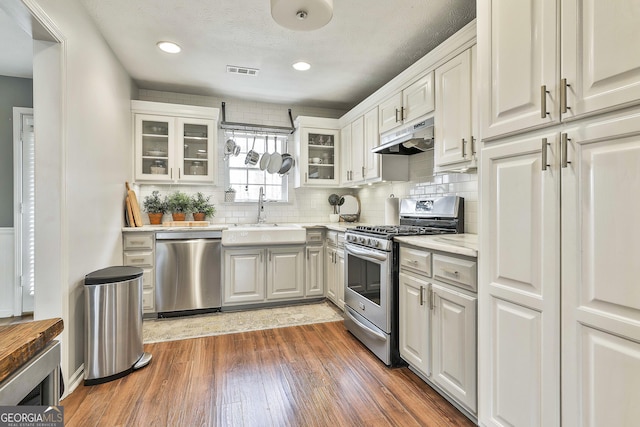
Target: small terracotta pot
{"points": [[178, 216], [198, 216], [155, 218]]}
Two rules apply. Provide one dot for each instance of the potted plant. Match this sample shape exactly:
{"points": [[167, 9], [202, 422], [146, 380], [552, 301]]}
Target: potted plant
{"points": [[335, 201], [155, 207], [201, 207], [230, 194], [179, 204]]}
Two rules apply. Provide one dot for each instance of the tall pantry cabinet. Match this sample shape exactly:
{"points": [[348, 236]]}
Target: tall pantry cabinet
{"points": [[559, 304]]}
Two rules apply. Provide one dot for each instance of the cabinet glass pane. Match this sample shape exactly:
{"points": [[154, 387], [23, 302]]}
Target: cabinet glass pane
{"points": [[321, 156], [195, 149], [155, 147]]}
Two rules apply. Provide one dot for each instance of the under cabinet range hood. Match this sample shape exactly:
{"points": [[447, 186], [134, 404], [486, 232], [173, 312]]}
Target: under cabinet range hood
{"points": [[412, 139]]}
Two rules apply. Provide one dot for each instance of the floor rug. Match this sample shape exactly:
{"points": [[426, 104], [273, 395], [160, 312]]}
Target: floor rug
{"points": [[178, 328]]}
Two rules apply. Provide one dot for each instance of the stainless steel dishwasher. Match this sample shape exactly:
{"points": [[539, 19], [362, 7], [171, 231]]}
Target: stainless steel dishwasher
{"points": [[188, 272]]}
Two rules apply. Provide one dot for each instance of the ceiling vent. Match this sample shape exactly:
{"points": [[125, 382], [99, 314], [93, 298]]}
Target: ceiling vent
{"points": [[242, 70]]}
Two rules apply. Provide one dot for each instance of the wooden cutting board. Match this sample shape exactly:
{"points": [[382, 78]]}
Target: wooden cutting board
{"points": [[135, 208], [131, 221]]}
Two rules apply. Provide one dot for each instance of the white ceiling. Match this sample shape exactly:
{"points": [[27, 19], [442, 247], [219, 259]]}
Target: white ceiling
{"points": [[367, 43], [15, 49]]}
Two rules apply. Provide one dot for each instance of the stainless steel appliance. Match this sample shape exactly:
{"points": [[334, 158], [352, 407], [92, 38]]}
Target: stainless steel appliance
{"points": [[372, 267], [412, 139], [188, 272]]}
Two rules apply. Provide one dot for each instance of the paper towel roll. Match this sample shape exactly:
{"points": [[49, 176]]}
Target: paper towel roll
{"points": [[392, 211]]}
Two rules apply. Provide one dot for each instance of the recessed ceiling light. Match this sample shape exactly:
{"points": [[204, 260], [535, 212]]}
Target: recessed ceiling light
{"points": [[301, 66], [169, 47]]}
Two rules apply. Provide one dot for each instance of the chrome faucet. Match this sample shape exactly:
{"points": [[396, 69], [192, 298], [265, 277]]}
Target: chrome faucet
{"points": [[262, 217]]}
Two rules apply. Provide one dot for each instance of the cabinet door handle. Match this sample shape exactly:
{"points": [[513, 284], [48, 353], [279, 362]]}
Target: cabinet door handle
{"points": [[545, 145], [543, 102], [179, 173], [431, 297], [464, 148], [171, 173], [397, 116], [307, 254], [363, 172], [563, 96], [269, 256], [473, 146], [564, 150], [260, 256], [421, 295], [402, 113], [305, 177]]}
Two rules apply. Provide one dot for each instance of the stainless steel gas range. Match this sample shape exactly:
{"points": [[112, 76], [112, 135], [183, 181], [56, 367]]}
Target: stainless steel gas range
{"points": [[371, 269]]}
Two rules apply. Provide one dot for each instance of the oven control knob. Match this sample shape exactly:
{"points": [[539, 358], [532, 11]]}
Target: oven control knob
{"points": [[375, 243], [361, 240]]}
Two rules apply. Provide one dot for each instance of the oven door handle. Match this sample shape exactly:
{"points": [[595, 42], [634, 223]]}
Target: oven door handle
{"points": [[365, 328], [367, 254]]}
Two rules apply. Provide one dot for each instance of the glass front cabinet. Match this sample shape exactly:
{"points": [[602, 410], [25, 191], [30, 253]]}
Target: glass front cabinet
{"points": [[174, 144], [318, 152]]}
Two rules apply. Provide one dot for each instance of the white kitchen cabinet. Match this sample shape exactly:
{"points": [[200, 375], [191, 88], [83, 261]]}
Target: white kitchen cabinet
{"points": [[244, 276], [346, 168], [454, 138], [314, 271], [532, 70], [371, 162], [453, 326], [357, 150], [520, 290], [437, 315], [317, 152], [415, 322], [285, 273], [599, 273], [410, 104], [255, 275], [334, 262], [139, 251], [174, 143]]}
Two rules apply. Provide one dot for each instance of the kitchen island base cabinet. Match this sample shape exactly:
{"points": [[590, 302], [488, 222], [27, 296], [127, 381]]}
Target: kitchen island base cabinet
{"points": [[259, 275]]}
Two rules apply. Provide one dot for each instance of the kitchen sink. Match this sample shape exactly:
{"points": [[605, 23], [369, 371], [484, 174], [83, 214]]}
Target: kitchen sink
{"points": [[263, 234]]}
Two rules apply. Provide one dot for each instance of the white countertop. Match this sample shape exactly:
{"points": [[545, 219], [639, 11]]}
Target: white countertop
{"points": [[461, 244], [337, 226]]}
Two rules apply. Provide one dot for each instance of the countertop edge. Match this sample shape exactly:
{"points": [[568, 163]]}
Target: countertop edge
{"points": [[429, 242], [22, 341]]}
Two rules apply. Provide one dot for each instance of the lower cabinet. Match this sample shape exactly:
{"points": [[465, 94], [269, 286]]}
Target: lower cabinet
{"points": [[438, 331], [254, 275], [335, 275], [138, 251], [314, 272]]}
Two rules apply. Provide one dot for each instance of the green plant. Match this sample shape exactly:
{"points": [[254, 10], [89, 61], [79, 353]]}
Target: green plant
{"points": [[230, 190], [179, 202], [154, 204], [201, 204]]}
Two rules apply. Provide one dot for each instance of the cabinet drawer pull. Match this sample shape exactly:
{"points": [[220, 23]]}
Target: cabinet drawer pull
{"points": [[137, 242], [451, 273], [412, 261], [543, 102], [545, 144], [564, 142], [138, 260], [563, 96], [421, 295]]}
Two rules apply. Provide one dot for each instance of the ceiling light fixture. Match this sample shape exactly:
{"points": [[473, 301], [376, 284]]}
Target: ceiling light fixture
{"points": [[301, 66], [169, 47], [302, 15]]}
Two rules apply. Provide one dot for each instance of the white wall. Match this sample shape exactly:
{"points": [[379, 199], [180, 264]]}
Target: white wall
{"points": [[80, 167], [7, 270]]}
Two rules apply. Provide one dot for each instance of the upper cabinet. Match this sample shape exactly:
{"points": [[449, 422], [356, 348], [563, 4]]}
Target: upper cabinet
{"points": [[317, 152], [537, 75], [174, 143], [455, 108], [411, 103]]}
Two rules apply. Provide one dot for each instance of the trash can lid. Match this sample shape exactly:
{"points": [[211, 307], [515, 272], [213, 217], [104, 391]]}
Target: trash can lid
{"points": [[112, 275]]}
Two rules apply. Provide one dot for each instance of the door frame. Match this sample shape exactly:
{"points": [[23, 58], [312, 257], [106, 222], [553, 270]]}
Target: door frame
{"points": [[18, 113]]}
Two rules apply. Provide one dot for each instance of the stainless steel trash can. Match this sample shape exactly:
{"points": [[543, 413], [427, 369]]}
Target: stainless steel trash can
{"points": [[113, 324]]}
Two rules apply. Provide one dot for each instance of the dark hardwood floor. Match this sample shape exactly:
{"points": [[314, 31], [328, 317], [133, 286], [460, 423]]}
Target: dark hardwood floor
{"points": [[313, 375]]}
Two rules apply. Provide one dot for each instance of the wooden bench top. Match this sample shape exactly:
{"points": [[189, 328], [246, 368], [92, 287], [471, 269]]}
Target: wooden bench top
{"points": [[22, 341]]}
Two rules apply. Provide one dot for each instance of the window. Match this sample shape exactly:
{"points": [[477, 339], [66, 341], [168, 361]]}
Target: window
{"points": [[247, 179]]}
